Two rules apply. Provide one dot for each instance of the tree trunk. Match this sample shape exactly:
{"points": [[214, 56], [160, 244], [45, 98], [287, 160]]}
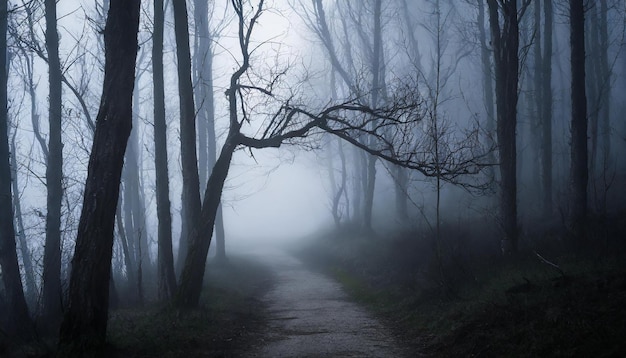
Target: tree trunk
{"points": [[20, 324], [578, 149], [505, 42], [605, 125], [52, 306], [85, 322], [191, 185], [546, 111], [485, 58], [593, 85], [206, 111], [166, 274], [129, 259], [377, 68], [29, 271], [188, 294]]}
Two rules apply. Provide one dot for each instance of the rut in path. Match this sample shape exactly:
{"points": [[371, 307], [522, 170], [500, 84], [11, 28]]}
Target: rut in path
{"points": [[311, 316]]}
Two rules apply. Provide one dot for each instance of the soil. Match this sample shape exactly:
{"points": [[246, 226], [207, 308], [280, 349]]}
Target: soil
{"points": [[310, 315]]}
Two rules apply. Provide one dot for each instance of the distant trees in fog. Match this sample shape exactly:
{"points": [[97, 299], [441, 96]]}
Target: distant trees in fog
{"points": [[426, 90]]}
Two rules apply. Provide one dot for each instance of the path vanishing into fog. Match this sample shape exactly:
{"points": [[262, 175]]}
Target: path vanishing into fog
{"points": [[311, 316]]}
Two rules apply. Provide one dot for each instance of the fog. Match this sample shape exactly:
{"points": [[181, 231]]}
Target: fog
{"points": [[278, 198], [398, 131], [282, 194]]}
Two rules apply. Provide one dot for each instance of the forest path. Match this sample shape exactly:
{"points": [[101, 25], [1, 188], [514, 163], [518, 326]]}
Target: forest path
{"points": [[311, 316]]}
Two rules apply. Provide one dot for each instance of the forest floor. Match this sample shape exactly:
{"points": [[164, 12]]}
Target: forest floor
{"points": [[487, 306], [230, 319], [360, 295]]}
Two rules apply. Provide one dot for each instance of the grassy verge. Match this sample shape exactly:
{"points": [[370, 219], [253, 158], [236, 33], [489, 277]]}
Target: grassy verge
{"points": [[519, 307], [227, 323]]}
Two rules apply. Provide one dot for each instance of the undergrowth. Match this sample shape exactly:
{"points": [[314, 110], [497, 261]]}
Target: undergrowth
{"points": [[228, 319], [484, 305]]}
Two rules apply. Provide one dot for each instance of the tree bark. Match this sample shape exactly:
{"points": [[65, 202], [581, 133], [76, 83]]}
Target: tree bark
{"points": [[20, 324], [485, 58], [52, 305], [377, 68], [605, 70], [505, 40], [206, 112], [546, 111], [188, 294], [189, 160], [578, 149], [166, 273], [85, 322]]}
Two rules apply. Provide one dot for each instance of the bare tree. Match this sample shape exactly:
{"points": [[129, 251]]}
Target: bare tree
{"points": [[85, 322], [21, 325], [486, 62], [52, 306], [546, 110], [387, 132], [578, 150], [191, 182], [165, 260], [505, 41], [207, 144], [27, 260]]}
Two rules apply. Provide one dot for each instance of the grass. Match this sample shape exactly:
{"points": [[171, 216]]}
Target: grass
{"points": [[228, 321], [515, 307]]}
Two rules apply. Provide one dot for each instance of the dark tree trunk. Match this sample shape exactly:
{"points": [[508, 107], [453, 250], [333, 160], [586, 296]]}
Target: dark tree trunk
{"points": [[85, 322], [206, 112], [605, 70], [485, 58], [191, 185], [578, 170], [188, 294], [377, 69], [505, 40], [20, 324], [166, 275], [546, 111], [593, 83], [52, 306]]}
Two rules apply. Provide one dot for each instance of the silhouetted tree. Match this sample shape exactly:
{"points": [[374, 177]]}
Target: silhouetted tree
{"points": [[20, 325], [578, 148], [166, 275], [546, 109], [207, 144], [387, 132], [52, 306], [504, 24], [85, 322], [189, 160]]}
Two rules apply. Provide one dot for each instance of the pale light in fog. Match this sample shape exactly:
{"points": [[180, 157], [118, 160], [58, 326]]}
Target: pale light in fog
{"points": [[276, 200]]}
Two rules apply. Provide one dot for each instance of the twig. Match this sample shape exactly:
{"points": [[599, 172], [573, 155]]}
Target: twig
{"points": [[553, 265]]}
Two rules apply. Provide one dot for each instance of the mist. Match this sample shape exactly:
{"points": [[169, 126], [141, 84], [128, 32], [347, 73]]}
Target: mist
{"points": [[289, 178]]}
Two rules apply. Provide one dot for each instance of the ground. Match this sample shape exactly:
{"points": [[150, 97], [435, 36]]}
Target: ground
{"points": [[488, 306], [310, 315], [355, 295]]}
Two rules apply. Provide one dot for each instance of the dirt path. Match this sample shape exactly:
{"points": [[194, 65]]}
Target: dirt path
{"points": [[311, 316]]}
